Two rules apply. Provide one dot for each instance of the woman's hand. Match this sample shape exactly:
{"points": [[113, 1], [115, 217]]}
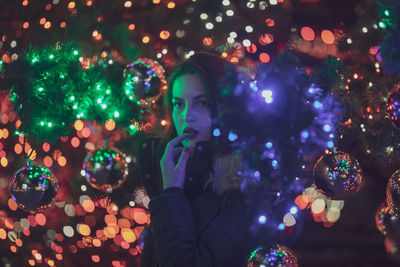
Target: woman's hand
{"points": [[173, 174]]}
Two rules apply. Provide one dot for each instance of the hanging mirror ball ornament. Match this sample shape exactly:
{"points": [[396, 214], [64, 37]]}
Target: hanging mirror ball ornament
{"points": [[144, 81], [337, 175], [105, 169], [393, 192], [277, 256], [33, 188], [393, 106], [387, 222]]}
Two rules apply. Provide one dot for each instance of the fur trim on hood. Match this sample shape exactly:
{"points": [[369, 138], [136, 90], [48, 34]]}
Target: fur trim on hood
{"points": [[224, 176]]}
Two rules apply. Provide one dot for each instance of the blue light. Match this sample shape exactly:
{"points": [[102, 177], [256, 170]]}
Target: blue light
{"points": [[330, 144], [317, 104], [281, 226], [232, 136], [293, 210], [311, 90], [304, 134], [331, 135], [253, 86], [268, 144], [216, 132], [327, 128], [267, 94], [274, 163], [262, 219]]}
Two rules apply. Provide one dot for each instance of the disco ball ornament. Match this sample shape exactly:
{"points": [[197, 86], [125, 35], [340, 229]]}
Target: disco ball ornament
{"points": [[393, 192], [33, 188], [276, 256], [337, 175], [393, 106], [105, 169], [387, 222], [144, 81]]}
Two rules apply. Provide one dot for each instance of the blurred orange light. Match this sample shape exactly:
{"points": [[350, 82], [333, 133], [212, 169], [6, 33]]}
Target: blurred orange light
{"points": [[32, 154], [156, 2], [47, 25], [63, 24], [207, 41], [31, 262], [13, 248], [86, 132], [4, 162], [163, 122], [42, 21], [270, 22], [164, 35], [75, 141], [110, 220], [40, 218], [224, 54], [62, 161], [171, 5], [25, 2], [327, 37], [48, 7], [59, 257], [110, 124], [140, 216], [146, 39], [71, 5], [3, 233], [18, 149], [95, 33], [84, 229], [264, 57], [95, 258], [355, 76], [46, 147], [12, 205], [89, 3], [128, 235], [5, 133], [18, 242], [96, 242], [25, 25], [131, 27], [251, 49], [307, 33], [50, 262], [88, 205]]}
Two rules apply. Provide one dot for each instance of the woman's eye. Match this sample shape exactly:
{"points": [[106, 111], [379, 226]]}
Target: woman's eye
{"points": [[202, 103], [177, 104]]}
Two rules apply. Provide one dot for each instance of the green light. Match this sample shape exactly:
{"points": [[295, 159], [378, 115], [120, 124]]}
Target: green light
{"points": [[76, 52], [99, 100], [98, 87], [1, 62], [127, 92], [75, 106], [72, 98], [132, 126], [62, 76], [116, 114], [49, 124], [382, 25], [51, 56], [34, 60], [42, 123], [108, 91], [80, 59], [386, 13], [40, 89], [104, 106]]}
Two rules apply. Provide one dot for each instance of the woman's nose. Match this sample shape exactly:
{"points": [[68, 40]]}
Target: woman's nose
{"points": [[190, 114]]}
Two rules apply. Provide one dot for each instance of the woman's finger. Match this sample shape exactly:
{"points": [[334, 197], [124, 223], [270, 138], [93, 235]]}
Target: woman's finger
{"points": [[177, 153], [172, 144], [183, 159]]}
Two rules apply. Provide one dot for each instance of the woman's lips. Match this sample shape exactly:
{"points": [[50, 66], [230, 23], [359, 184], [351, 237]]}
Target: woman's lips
{"points": [[190, 132]]}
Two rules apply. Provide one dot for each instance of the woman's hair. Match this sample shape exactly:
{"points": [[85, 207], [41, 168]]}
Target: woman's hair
{"points": [[211, 70], [213, 73]]}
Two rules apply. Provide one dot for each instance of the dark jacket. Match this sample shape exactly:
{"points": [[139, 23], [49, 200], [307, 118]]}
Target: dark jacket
{"points": [[191, 227]]}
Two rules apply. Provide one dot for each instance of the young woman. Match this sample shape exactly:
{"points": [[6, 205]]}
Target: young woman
{"points": [[198, 215]]}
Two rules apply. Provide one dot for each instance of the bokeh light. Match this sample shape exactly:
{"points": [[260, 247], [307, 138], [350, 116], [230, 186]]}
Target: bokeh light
{"points": [[307, 33]]}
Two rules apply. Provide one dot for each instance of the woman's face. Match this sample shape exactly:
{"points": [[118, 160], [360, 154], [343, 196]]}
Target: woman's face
{"points": [[190, 111]]}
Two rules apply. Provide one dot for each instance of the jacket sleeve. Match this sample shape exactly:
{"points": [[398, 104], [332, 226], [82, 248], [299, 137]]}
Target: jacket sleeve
{"points": [[223, 243]]}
